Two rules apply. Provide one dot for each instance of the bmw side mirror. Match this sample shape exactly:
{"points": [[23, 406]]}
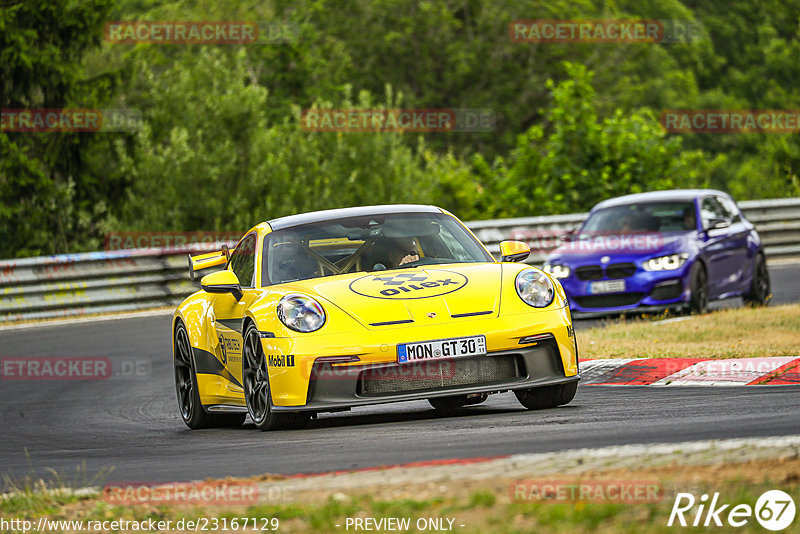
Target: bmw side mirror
{"points": [[222, 282], [716, 224], [569, 235]]}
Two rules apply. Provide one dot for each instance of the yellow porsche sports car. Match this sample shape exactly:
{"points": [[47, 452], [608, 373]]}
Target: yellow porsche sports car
{"points": [[324, 311]]}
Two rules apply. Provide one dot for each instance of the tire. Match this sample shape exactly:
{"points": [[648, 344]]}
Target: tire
{"points": [[547, 396], [449, 404], [189, 405], [760, 290], [568, 392], [698, 283], [257, 395]]}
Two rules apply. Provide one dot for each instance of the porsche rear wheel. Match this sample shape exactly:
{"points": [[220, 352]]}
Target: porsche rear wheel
{"points": [[192, 411], [448, 404], [256, 388], [547, 396]]}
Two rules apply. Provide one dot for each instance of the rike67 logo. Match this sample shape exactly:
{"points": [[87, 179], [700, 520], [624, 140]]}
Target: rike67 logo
{"points": [[774, 510]]}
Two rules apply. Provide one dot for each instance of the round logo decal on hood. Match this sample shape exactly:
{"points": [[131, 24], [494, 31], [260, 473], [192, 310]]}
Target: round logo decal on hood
{"points": [[409, 285]]}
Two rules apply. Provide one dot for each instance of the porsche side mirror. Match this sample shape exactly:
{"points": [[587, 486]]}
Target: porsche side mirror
{"points": [[222, 282], [514, 251]]}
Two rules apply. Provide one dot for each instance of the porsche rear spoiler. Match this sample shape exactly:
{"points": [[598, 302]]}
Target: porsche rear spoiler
{"points": [[210, 259]]}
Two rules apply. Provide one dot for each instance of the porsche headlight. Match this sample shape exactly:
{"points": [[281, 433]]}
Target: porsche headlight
{"points": [[666, 263], [535, 288], [301, 313], [559, 271]]}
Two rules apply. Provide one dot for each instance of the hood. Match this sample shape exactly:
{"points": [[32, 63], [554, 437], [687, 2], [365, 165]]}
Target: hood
{"points": [[620, 247], [414, 296]]}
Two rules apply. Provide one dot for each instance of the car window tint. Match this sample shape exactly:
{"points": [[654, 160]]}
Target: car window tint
{"points": [[729, 209], [711, 210], [449, 243], [366, 244], [243, 260], [641, 217]]}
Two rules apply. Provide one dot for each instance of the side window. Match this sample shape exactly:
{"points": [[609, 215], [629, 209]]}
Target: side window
{"points": [[710, 210], [729, 209], [243, 260]]}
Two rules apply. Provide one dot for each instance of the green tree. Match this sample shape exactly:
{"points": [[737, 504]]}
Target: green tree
{"points": [[221, 146], [49, 200], [580, 158], [211, 157]]}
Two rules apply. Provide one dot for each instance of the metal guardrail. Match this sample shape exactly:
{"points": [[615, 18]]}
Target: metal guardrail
{"points": [[103, 282], [70, 285]]}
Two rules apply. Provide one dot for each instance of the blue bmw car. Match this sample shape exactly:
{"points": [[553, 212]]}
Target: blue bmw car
{"points": [[648, 252]]}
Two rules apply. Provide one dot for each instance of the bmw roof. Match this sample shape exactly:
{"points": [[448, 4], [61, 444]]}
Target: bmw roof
{"points": [[342, 213], [672, 195]]}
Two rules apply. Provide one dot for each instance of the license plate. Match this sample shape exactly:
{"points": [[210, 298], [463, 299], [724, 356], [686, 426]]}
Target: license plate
{"points": [[607, 286], [441, 349]]}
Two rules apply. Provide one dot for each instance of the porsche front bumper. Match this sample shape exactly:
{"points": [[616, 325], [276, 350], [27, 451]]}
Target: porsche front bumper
{"points": [[333, 387]]}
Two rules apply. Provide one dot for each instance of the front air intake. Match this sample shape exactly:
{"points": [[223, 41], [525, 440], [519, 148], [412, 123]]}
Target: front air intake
{"points": [[440, 374]]}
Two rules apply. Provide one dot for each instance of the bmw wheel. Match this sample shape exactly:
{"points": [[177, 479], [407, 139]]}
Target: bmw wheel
{"points": [[699, 289], [760, 287]]}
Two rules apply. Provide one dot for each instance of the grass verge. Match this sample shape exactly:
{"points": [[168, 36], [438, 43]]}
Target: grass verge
{"points": [[732, 333], [488, 506]]}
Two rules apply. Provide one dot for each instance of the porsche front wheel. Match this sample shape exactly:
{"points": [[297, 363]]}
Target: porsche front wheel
{"points": [[547, 396], [192, 411], [256, 388], [448, 404]]}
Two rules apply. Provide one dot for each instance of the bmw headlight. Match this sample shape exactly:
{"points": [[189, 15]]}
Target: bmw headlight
{"points": [[535, 288], [559, 271], [666, 263], [301, 313]]}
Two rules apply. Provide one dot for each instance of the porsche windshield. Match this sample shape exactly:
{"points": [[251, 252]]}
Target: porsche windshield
{"points": [[642, 217], [370, 243]]}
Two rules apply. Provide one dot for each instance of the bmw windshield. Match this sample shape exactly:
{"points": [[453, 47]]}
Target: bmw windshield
{"points": [[650, 217]]}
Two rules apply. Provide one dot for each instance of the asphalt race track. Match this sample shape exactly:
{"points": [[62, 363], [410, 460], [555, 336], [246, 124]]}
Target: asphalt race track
{"points": [[129, 421]]}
